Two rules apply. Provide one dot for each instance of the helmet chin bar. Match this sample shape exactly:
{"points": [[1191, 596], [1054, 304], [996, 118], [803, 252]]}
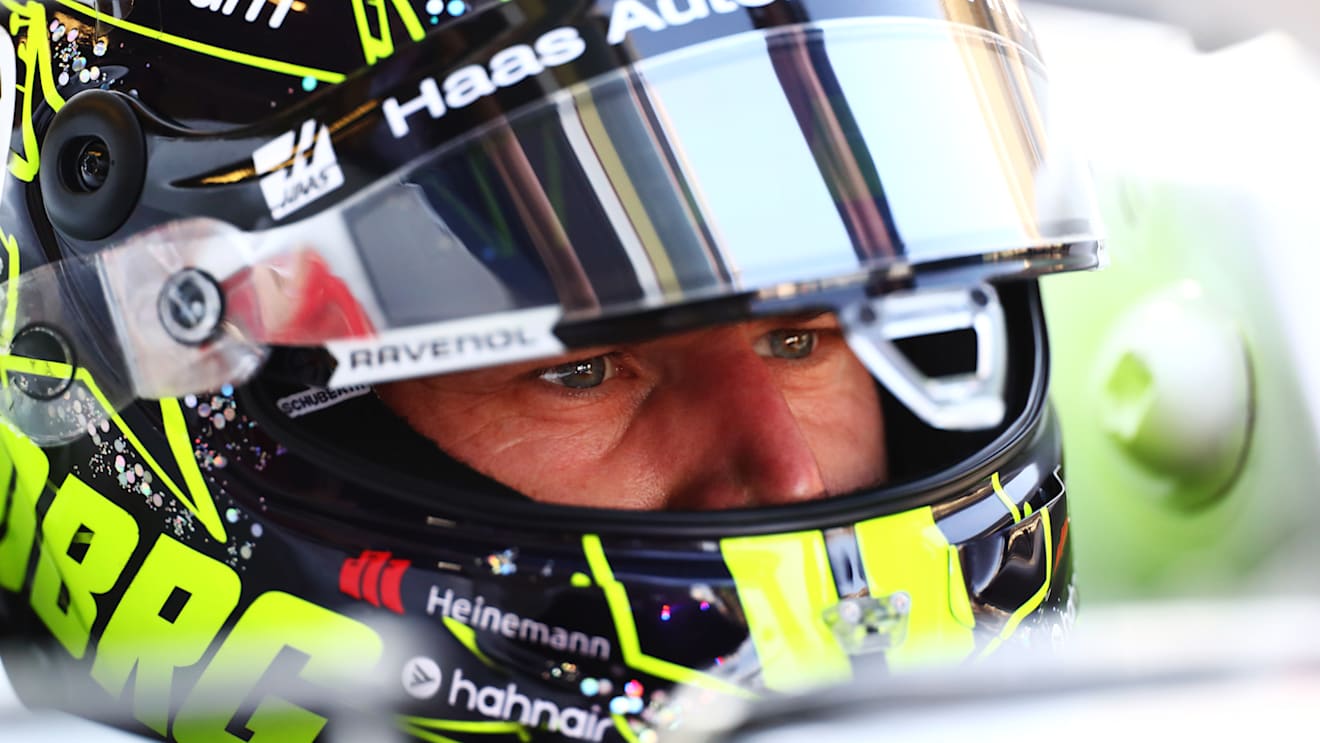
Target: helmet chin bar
{"points": [[959, 402]]}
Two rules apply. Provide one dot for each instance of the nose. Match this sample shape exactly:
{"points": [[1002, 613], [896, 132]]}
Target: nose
{"points": [[736, 440]]}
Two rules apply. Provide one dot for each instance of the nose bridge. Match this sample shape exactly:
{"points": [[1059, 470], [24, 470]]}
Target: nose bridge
{"points": [[751, 449]]}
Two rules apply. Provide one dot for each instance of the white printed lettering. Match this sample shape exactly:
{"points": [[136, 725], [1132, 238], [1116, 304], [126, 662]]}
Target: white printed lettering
{"points": [[396, 113], [467, 85], [629, 16], [253, 12], [314, 399], [312, 172], [513, 65], [448, 346], [478, 614], [560, 46], [506, 703], [670, 11]]}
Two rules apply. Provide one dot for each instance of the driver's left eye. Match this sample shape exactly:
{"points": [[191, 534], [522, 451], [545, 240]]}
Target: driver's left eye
{"points": [[787, 344], [581, 374]]}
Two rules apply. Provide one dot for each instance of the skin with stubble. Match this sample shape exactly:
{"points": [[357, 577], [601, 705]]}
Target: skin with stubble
{"points": [[759, 413]]}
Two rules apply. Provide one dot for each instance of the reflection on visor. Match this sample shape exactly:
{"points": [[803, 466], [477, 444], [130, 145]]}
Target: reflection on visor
{"points": [[768, 164], [761, 160], [757, 162]]}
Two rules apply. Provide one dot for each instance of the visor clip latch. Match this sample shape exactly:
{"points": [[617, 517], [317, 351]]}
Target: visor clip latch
{"points": [[191, 307], [868, 624]]}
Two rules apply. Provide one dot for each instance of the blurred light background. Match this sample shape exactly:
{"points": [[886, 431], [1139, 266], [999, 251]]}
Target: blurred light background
{"points": [[1187, 374]]}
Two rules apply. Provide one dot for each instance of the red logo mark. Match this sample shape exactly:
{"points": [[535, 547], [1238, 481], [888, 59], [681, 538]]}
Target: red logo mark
{"points": [[375, 578]]}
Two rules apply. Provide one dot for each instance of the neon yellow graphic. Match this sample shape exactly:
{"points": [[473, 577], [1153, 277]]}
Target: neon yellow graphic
{"points": [[1035, 601], [617, 598], [1007, 501], [8, 108], [201, 504], [468, 637], [785, 585], [34, 53], [38, 367], [8, 88], [28, 467], [83, 573], [12, 268], [379, 44], [422, 727], [338, 649], [210, 50], [203, 507], [139, 638], [960, 604], [625, 730], [907, 553], [171, 611]]}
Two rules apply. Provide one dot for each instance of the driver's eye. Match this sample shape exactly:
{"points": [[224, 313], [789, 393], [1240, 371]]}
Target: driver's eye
{"points": [[582, 374], [787, 344]]}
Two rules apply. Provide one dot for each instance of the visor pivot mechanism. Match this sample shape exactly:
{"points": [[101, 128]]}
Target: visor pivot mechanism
{"points": [[42, 342], [867, 624], [191, 306]]}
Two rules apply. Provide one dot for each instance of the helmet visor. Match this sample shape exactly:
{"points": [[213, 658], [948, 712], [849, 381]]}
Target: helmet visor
{"points": [[748, 163], [768, 165]]}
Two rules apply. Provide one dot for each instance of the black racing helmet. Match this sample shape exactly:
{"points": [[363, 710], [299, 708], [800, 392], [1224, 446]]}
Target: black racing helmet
{"points": [[229, 227]]}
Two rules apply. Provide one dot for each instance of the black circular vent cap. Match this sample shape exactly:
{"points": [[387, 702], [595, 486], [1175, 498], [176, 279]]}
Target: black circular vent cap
{"points": [[93, 165]]}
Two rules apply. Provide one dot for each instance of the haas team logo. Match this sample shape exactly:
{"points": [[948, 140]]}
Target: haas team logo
{"points": [[297, 168], [375, 578]]}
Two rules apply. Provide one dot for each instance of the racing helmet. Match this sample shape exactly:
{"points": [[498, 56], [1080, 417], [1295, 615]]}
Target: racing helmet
{"points": [[227, 226]]}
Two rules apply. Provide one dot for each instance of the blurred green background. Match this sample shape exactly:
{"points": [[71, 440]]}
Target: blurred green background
{"points": [[1185, 373]]}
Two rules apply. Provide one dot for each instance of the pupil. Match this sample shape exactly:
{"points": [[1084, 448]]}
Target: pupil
{"points": [[794, 345], [583, 374]]}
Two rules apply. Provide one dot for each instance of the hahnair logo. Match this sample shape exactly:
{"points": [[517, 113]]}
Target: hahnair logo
{"points": [[297, 168]]}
